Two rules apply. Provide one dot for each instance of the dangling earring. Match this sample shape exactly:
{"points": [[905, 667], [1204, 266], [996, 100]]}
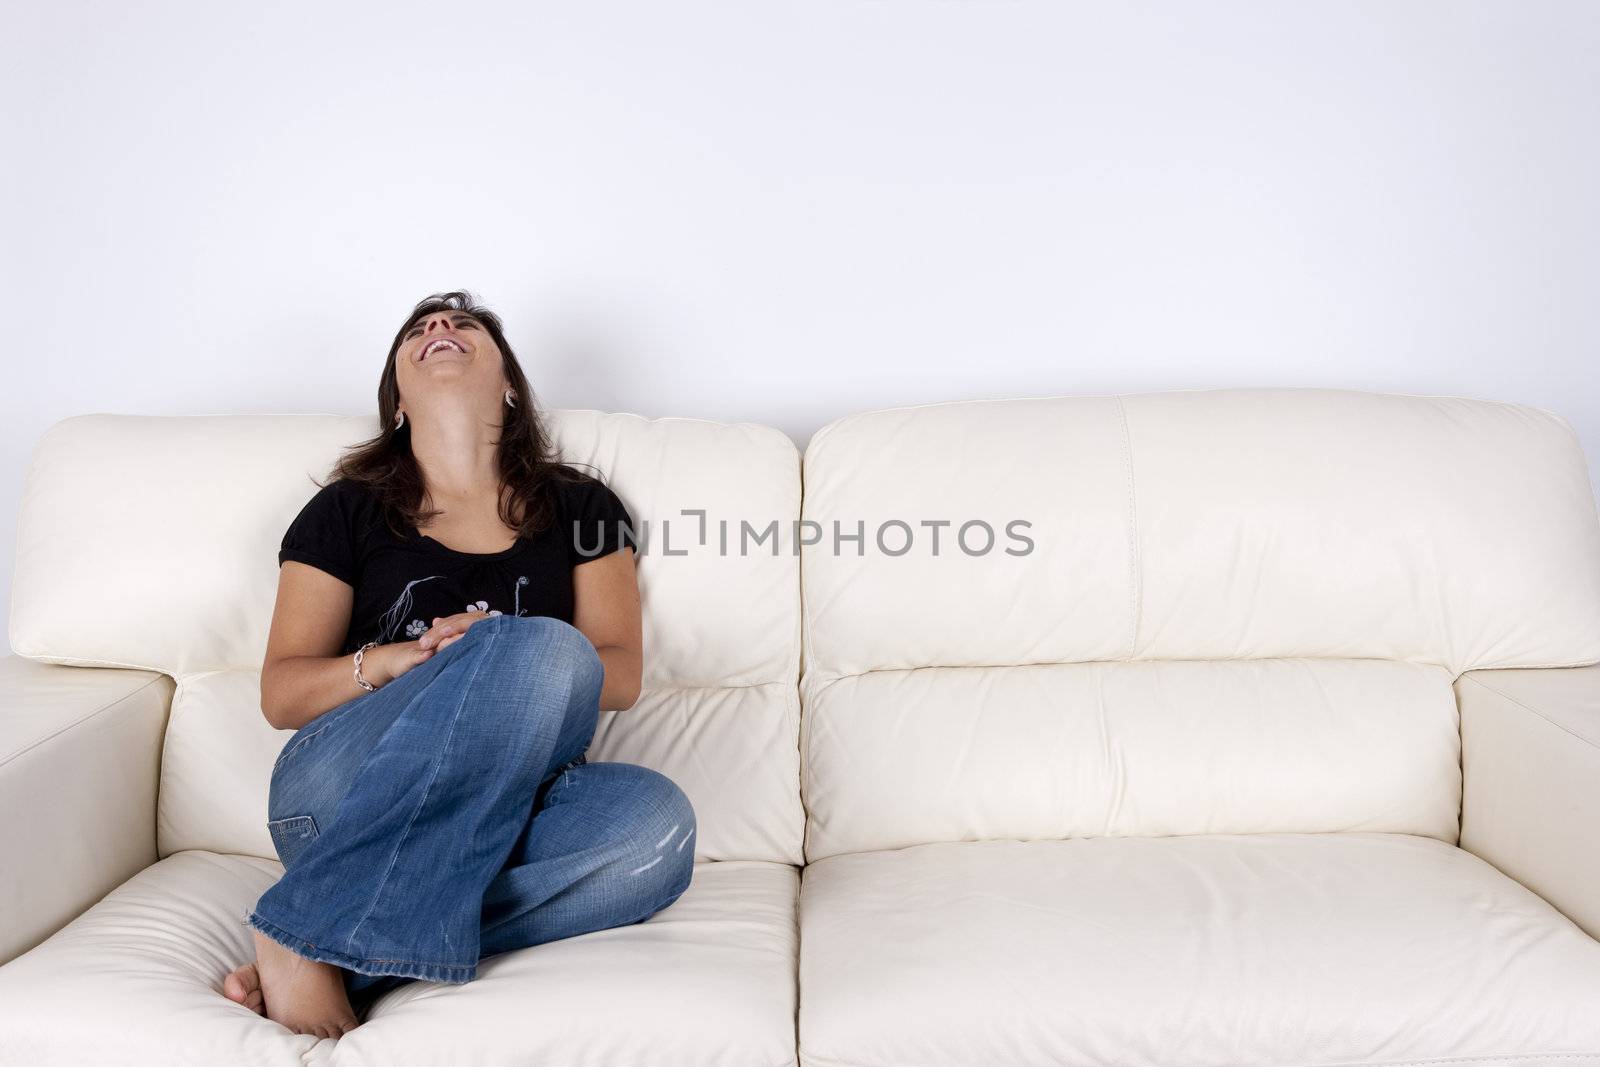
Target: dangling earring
{"points": [[509, 396], [399, 419]]}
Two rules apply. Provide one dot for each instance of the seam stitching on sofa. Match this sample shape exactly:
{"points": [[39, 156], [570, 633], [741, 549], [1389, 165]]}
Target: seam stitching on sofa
{"points": [[1135, 584], [855, 415], [798, 708], [80, 721], [803, 671], [710, 688], [1535, 711], [1466, 1059], [78, 661], [1525, 666], [643, 689], [832, 1061], [824, 686]]}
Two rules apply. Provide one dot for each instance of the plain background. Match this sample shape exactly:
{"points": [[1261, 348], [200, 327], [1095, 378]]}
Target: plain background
{"points": [[787, 211]]}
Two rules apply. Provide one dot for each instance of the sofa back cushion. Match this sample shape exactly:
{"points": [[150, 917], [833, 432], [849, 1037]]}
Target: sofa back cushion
{"points": [[1211, 612], [152, 542]]}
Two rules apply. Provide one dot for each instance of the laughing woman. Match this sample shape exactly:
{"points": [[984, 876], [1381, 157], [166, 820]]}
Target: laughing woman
{"points": [[453, 611]]}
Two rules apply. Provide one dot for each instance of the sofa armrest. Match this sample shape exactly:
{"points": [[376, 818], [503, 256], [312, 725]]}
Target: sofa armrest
{"points": [[1530, 753], [80, 757]]}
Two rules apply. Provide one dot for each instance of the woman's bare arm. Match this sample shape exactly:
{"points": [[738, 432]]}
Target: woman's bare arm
{"points": [[606, 609], [304, 674]]}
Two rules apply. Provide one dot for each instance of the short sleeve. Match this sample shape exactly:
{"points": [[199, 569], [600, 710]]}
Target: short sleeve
{"points": [[597, 521], [323, 535]]}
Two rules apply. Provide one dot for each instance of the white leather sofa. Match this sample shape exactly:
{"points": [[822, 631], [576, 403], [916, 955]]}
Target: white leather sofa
{"points": [[1272, 740]]}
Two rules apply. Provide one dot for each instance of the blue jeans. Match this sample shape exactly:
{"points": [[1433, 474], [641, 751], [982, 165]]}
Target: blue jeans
{"points": [[452, 815]]}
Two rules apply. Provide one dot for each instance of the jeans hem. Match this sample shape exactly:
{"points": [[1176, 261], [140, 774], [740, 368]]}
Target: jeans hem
{"points": [[433, 972]]}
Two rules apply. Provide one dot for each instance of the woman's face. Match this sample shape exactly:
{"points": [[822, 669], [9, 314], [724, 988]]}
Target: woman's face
{"points": [[448, 352]]}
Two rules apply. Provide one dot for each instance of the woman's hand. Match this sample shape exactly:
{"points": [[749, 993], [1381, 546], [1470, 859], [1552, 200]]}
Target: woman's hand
{"points": [[384, 663], [449, 628]]}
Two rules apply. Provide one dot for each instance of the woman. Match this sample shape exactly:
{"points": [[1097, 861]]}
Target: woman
{"points": [[434, 805]]}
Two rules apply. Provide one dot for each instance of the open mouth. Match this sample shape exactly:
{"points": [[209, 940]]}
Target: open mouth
{"points": [[438, 344]]}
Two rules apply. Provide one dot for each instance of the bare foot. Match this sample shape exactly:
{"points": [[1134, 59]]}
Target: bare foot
{"points": [[303, 995], [244, 987]]}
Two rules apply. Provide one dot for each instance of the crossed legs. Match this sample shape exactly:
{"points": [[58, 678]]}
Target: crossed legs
{"points": [[452, 815]]}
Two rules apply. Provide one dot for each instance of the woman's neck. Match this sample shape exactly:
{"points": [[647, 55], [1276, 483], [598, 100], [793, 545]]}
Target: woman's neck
{"points": [[458, 454]]}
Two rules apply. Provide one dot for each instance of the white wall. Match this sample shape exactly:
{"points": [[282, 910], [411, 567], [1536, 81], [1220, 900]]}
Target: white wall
{"points": [[791, 210]]}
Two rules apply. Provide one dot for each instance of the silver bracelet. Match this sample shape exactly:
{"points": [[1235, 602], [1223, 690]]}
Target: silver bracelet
{"points": [[362, 682]]}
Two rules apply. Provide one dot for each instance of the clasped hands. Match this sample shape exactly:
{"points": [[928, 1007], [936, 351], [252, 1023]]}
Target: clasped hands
{"points": [[449, 628]]}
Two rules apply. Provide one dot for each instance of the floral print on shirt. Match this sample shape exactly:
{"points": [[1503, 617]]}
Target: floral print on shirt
{"points": [[416, 627]]}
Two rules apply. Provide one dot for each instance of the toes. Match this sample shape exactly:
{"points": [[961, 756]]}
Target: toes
{"points": [[243, 986]]}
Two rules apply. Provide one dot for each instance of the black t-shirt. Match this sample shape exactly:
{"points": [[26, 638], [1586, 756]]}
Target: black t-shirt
{"points": [[403, 583]]}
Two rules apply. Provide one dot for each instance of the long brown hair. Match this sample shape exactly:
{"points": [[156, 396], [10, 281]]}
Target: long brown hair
{"points": [[526, 456]]}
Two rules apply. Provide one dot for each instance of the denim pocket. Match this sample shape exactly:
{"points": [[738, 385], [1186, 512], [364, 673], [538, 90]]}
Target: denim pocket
{"points": [[290, 836]]}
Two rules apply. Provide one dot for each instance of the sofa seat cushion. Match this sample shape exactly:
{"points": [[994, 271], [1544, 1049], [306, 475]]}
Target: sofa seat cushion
{"points": [[137, 980], [1349, 948]]}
